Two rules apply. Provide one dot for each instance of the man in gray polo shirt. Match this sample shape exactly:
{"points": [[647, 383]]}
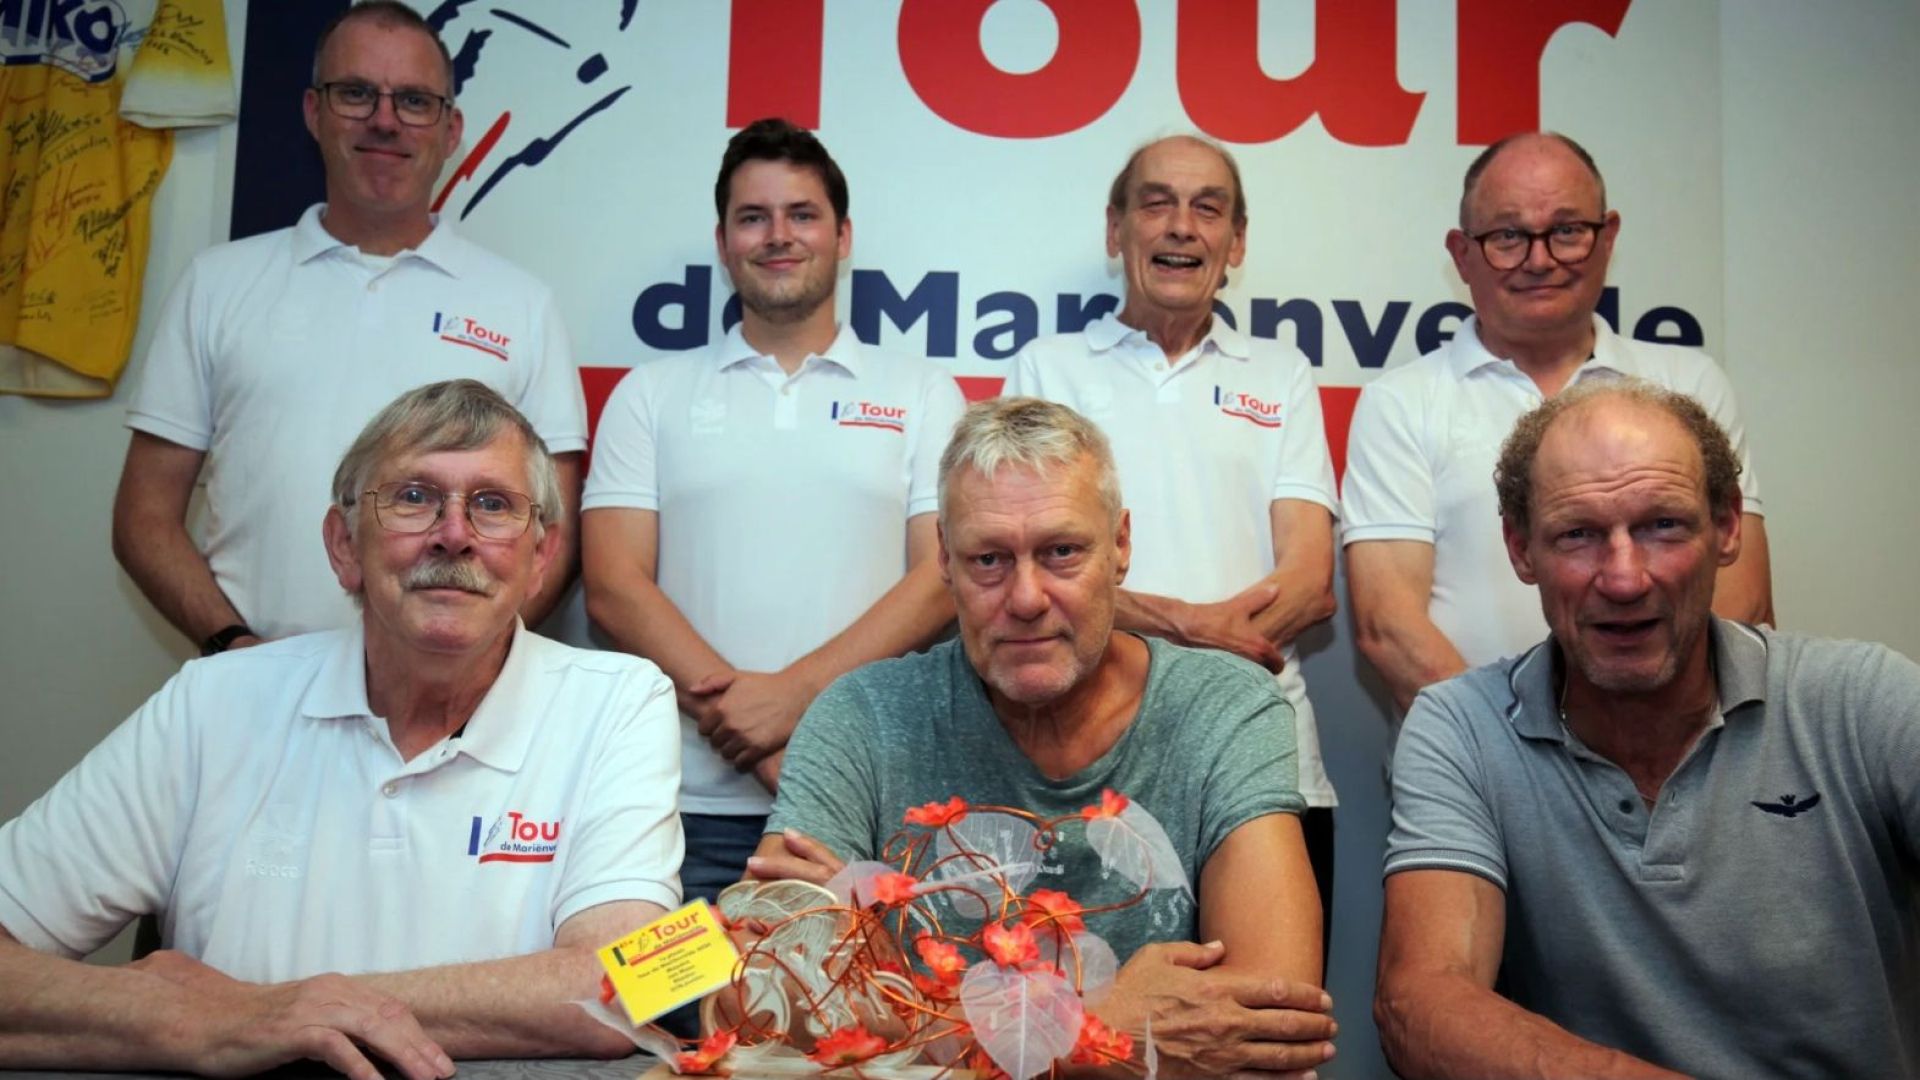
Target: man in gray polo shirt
{"points": [[1659, 840]]}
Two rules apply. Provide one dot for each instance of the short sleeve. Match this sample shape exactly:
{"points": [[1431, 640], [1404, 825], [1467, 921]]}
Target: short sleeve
{"points": [[1255, 770], [829, 788], [552, 399], [1306, 465], [175, 398], [1442, 819], [623, 473], [942, 404], [1023, 379], [101, 847], [1714, 392], [1884, 708], [626, 842], [1388, 490]]}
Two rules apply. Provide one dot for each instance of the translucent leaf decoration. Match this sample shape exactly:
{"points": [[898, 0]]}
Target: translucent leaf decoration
{"points": [[854, 883], [1022, 1019], [1151, 1055], [1089, 958], [990, 845], [1133, 844]]}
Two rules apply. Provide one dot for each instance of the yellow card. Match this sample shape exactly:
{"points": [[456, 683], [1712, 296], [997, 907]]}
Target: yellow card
{"points": [[672, 960]]}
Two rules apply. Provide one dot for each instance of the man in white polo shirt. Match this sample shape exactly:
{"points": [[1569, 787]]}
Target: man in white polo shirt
{"points": [[273, 350], [449, 809], [1218, 437], [1432, 593], [760, 514]]}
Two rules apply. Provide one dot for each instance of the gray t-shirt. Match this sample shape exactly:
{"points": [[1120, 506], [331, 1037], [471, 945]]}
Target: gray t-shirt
{"points": [[1211, 749], [1760, 921]]}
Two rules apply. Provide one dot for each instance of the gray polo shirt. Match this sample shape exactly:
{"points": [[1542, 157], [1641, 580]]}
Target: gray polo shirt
{"points": [[1760, 921]]}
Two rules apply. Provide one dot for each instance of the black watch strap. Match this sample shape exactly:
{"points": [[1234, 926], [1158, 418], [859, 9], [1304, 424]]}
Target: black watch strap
{"points": [[224, 638]]}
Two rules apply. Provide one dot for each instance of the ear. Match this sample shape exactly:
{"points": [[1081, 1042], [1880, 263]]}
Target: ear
{"points": [[940, 535], [456, 129], [845, 246], [1123, 546], [341, 553], [1237, 251], [544, 552], [720, 241], [310, 110], [1459, 248], [1518, 552], [1114, 217], [1610, 233], [1727, 524]]}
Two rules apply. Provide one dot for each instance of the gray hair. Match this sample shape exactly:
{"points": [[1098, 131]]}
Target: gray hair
{"points": [[387, 14], [459, 414], [1513, 475], [1120, 191], [1027, 433], [1487, 156]]}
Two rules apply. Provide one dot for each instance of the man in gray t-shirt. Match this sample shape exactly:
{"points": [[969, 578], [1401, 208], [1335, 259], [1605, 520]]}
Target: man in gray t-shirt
{"points": [[1658, 840], [1040, 706]]}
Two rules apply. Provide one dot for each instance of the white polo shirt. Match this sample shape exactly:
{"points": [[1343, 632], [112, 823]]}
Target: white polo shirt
{"points": [[257, 803], [273, 352], [1420, 459], [1205, 444], [783, 500]]}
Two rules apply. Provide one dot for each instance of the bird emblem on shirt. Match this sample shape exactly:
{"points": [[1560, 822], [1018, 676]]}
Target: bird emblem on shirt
{"points": [[1789, 805]]}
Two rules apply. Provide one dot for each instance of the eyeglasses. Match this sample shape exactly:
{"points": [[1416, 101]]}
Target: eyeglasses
{"points": [[358, 101], [409, 506], [1568, 242]]}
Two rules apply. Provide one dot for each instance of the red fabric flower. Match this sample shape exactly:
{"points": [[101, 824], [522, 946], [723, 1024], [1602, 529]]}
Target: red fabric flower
{"points": [[1010, 946], [937, 814], [893, 889], [942, 959], [1111, 804], [1099, 1044], [848, 1046], [1053, 907], [932, 989], [712, 1049]]}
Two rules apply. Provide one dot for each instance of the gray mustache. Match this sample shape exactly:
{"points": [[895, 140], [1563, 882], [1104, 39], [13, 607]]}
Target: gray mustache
{"points": [[449, 574]]}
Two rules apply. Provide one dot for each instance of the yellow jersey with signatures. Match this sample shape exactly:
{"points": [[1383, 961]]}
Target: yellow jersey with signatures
{"points": [[84, 143]]}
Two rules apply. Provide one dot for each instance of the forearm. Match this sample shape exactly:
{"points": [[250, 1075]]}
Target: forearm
{"points": [[57, 1013], [903, 620], [516, 1007], [1147, 613], [642, 620], [174, 576], [1449, 1026], [1304, 598], [1409, 652]]}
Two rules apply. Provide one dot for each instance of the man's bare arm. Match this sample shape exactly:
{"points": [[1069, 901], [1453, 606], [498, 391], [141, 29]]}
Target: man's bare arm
{"points": [[1250, 999], [566, 562], [754, 713], [520, 1006], [151, 541], [1744, 591], [59, 1013], [1302, 570], [1390, 583], [619, 563], [1434, 1003]]}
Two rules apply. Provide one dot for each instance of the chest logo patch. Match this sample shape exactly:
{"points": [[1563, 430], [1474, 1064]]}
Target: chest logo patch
{"points": [[462, 330], [1789, 805], [1247, 407], [869, 414], [514, 837]]}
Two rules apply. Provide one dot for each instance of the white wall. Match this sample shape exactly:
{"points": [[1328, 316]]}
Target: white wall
{"points": [[1822, 242]]}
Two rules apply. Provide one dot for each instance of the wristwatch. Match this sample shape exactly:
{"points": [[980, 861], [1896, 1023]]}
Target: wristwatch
{"points": [[224, 638]]}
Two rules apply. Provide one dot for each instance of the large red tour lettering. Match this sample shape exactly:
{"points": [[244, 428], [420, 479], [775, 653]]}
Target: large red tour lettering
{"points": [[773, 61], [1500, 43], [1099, 46], [1352, 82]]}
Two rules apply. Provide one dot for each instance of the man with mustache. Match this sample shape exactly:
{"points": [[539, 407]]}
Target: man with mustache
{"points": [[1217, 435], [301, 814], [760, 514], [1427, 574], [272, 350], [1041, 705], [1658, 840]]}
